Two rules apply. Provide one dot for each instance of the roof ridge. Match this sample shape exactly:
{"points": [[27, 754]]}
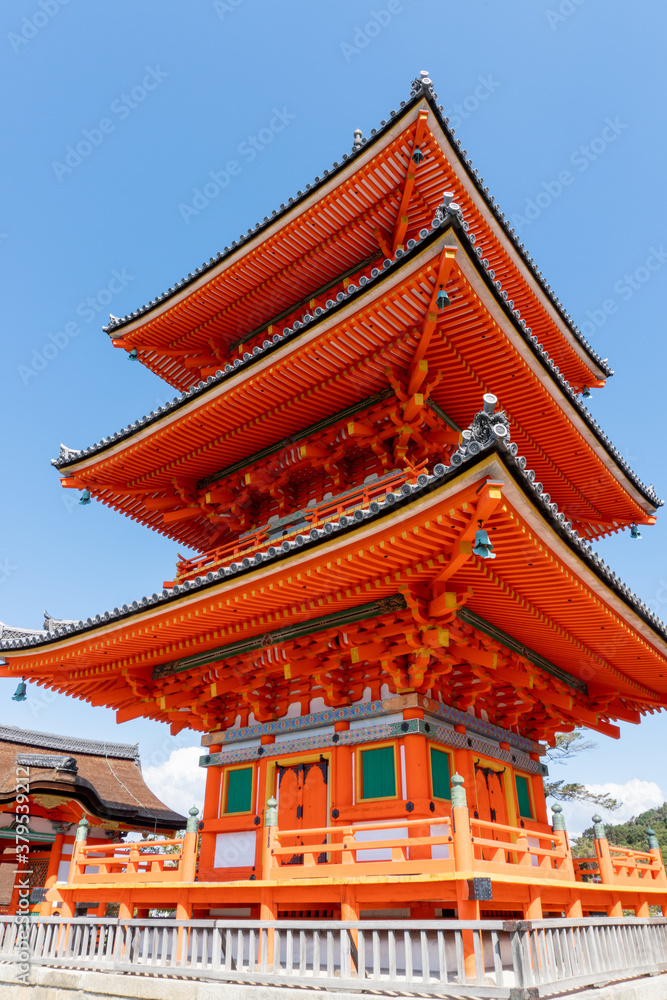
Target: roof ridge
{"points": [[54, 741]]}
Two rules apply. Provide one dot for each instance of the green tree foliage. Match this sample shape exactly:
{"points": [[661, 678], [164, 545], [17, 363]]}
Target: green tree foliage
{"points": [[568, 746], [631, 834]]}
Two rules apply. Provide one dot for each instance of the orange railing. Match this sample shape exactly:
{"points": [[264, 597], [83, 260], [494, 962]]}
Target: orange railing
{"points": [[521, 845], [246, 545], [613, 865], [136, 861], [334, 851]]}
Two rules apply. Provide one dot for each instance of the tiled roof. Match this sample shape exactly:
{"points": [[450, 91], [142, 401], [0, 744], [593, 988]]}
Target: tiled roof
{"points": [[475, 444], [104, 777], [68, 744], [422, 87], [448, 216]]}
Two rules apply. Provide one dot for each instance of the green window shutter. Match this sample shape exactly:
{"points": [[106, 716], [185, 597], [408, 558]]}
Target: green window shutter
{"points": [[523, 795], [239, 790], [440, 774], [378, 778]]}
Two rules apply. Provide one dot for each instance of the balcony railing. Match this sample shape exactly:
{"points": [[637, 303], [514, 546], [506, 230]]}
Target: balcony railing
{"points": [[516, 959], [289, 527], [140, 860], [144, 861], [448, 843]]}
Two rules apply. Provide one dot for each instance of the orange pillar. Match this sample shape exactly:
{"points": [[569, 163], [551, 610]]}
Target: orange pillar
{"points": [[468, 909], [573, 908], [539, 799], [268, 909], [341, 776], [418, 789], [79, 842], [211, 809], [52, 872], [189, 856], [349, 910], [605, 865]]}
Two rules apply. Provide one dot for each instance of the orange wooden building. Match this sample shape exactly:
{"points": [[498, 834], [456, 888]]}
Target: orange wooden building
{"points": [[380, 456]]}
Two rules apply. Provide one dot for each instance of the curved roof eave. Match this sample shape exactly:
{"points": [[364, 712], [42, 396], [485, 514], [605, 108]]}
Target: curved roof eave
{"points": [[426, 483], [70, 458]]}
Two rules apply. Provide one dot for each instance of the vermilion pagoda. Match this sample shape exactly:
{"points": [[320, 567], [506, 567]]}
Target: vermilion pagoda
{"points": [[381, 457]]}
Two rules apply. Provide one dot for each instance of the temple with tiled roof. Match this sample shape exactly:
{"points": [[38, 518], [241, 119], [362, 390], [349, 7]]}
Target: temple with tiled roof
{"points": [[382, 461], [47, 783]]}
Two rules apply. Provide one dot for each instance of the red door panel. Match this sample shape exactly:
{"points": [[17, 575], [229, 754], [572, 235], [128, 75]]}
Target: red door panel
{"points": [[302, 804]]}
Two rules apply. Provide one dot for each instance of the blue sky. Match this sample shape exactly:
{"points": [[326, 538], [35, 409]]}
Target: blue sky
{"points": [[162, 94]]}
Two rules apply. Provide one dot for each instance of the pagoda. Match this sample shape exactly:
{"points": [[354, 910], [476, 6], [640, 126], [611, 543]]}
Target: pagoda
{"points": [[381, 458]]}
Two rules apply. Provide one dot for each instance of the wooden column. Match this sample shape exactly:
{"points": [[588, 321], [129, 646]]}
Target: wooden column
{"points": [[52, 872], [539, 798], [189, 856], [79, 842], [464, 765], [268, 909], [211, 809], [468, 909], [573, 908], [341, 774], [606, 868], [417, 780]]}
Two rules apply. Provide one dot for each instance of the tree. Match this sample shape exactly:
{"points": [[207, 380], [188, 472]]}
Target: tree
{"points": [[568, 746], [631, 834]]}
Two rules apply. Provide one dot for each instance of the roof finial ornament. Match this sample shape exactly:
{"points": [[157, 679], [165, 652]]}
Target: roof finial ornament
{"points": [[422, 82], [487, 426], [113, 322], [67, 453], [358, 135], [445, 209]]}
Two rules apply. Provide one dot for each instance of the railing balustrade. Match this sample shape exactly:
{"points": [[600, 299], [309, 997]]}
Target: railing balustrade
{"points": [[425, 845], [333, 849], [140, 859], [248, 543], [513, 959]]}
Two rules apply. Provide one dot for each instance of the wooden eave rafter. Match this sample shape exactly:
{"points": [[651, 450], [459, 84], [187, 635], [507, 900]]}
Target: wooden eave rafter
{"points": [[540, 589], [473, 345], [355, 212]]}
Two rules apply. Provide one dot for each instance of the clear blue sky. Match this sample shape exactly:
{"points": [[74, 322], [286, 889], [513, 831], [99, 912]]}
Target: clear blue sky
{"points": [[573, 85]]}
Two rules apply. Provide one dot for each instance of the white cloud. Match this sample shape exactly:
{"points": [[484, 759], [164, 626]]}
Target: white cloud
{"points": [[179, 781], [634, 796]]}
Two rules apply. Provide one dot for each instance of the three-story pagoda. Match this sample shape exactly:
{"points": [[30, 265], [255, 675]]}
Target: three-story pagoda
{"points": [[380, 454]]}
